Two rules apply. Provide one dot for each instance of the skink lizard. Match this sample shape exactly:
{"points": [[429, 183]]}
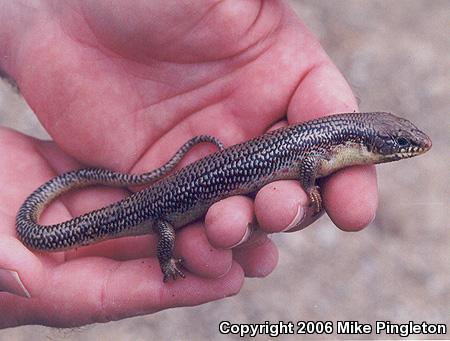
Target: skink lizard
{"points": [[306, 152]]}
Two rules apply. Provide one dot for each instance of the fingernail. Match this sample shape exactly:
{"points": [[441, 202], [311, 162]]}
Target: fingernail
{"points": [[299, 216], [248, 231], [11, 282]]}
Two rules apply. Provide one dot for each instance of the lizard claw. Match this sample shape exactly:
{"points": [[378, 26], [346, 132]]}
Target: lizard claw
{"points": [[171, 269], [316, 199]]}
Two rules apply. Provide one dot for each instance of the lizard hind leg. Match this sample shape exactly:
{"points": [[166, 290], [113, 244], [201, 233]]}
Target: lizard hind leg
{"points": [[170, 266]]}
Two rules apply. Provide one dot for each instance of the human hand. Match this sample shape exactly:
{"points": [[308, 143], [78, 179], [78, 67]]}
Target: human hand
{"points": [[122, 87]]}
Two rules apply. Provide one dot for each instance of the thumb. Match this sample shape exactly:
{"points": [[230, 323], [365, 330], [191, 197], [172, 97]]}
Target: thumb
{"points": [[21, 272]]}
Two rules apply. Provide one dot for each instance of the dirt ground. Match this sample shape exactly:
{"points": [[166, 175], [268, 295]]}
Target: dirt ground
{"points": [[395, 55]]}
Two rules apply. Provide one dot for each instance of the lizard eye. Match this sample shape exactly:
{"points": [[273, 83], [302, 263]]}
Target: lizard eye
{"points": [[402, 142]]}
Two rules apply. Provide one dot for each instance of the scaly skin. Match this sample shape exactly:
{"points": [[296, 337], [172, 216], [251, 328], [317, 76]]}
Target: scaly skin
{"points": [[305, 152]]}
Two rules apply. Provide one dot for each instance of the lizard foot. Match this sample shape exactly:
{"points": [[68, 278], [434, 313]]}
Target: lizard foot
{"points": [[316, 199], [171, 269]]}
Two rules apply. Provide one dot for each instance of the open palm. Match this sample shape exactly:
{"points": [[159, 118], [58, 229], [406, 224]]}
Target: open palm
{"points": [[123, 86]]}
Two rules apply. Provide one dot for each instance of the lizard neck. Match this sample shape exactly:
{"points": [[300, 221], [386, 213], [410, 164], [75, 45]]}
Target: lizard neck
{"points": [[344, 155]]}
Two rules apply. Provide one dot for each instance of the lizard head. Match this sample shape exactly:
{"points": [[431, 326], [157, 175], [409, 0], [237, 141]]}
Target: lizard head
{"points": [[396, 138]]}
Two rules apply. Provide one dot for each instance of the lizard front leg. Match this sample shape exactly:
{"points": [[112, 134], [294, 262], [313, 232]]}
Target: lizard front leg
{"points": [[169, 265], [307, 177]]}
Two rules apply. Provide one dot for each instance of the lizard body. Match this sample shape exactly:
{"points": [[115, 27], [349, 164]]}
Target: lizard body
{"points": [[306, 152]]}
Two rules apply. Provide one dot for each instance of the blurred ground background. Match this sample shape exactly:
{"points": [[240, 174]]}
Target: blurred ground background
{"points": [[396, 56]]}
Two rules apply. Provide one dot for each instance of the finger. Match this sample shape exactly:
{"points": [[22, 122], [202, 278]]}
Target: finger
{"points": [[277, 125], [228, 221], [255, 252], [281, 206], [350, 197], [108, 290], [258, 257], [199, 256], [21, 272], [228, 224]]}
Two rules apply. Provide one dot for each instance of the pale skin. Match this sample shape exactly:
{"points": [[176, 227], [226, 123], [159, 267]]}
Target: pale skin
{"points": [[124, 93]]}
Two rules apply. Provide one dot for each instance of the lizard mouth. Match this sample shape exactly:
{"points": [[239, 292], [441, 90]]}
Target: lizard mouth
{"points": [[412, 151]]}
